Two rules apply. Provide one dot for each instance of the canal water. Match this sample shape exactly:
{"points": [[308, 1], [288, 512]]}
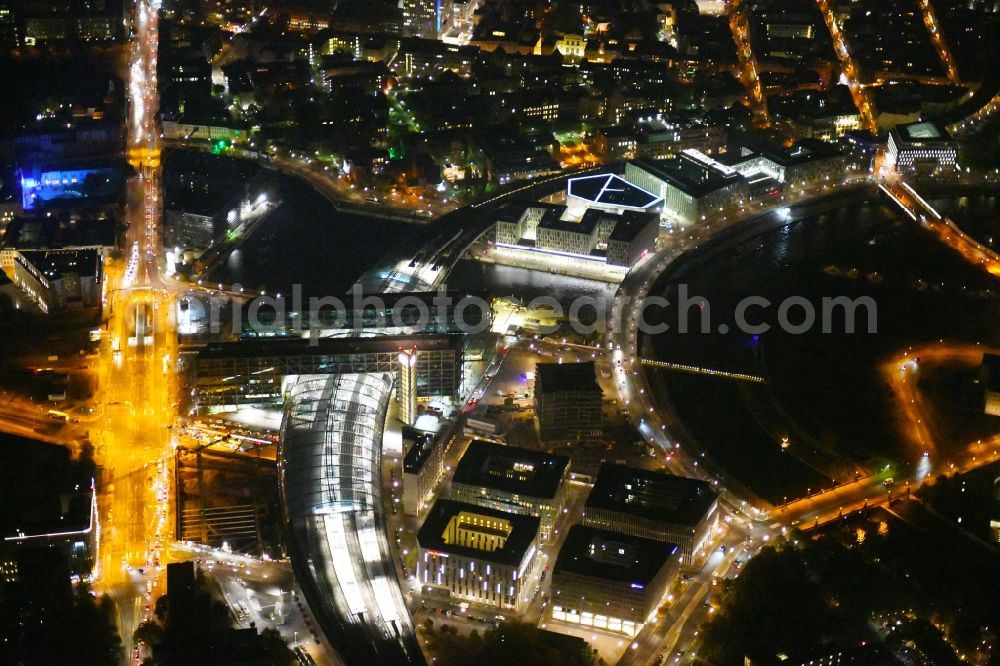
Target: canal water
{"points": [[824, 390], [306, 241]]}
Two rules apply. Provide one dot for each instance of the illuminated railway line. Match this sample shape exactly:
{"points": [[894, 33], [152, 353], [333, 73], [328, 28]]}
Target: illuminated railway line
{"points": [[864, 105], [749, 76], [937, 39]]}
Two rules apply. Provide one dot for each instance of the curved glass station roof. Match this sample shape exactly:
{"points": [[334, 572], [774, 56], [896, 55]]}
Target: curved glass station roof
{"points": [[330, 465]]}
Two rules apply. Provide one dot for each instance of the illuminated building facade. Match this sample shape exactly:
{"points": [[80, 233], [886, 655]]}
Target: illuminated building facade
{"points": [[922, 145], [654, 505], [228, 374], [610, 580], [692, 185], [39, 186], [515, 480], [423, 467], [476, 555], [407, 389], [59, 279], [426, 18]]}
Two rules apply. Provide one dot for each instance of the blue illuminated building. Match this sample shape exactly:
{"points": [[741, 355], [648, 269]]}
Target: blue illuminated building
{"points": [[41, 186]]}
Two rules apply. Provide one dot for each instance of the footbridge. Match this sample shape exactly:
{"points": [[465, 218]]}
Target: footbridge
{"points": [[694, 369]]}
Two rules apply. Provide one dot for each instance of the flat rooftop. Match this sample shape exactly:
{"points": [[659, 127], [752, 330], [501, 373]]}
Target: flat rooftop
{"points": [[54, 264], [630, 224], [651, 495], [922, 133], [691, 175], [513, 470], [608, 189], [271, 347], [563, 377], [418, 454], [597, 553], [522, 533]]}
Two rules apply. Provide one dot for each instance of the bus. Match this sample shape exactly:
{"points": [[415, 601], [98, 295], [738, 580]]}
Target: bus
{"points": [[58, 416]]}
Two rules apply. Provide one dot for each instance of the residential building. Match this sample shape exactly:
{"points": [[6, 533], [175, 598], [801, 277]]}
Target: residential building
{"points": [[514, 480], [654, 505], [610, 580], [567, 401], [471, 554]]}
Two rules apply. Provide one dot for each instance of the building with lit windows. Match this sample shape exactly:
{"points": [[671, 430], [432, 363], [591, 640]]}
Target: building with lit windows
{"points": [[654, 505], [567, 401], [41, 186], [692, 185], [605, 225], [407, 386], [921, 146], [179, 130], [515, 480], [58, 279], [251, 372], [806, 161], [610, 580], [423, 467], [471, 554], [659, 138], [426, 18], [429, 57]]}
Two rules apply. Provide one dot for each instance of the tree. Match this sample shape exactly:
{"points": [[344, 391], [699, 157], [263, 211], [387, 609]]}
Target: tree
{"points": [[275, 649], [149, 633]]}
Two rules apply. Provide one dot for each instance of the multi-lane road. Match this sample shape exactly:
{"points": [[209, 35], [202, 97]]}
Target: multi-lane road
{"points": [[137, 384]]}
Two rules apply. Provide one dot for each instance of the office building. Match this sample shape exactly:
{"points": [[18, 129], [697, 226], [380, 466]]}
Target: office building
{"points": [[51, 185], [51, 510], [658, 138], [921, 146], [406, 388], [471, 554], [423, 467], [593, 237], [692, 186], [654, 505], [60, 279], [515, 480], [609, 580], [357, 315], [806, 161], [609, 192], [228, 374], [56, 233], [567, 401], [426, 18], [991, 384]]}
